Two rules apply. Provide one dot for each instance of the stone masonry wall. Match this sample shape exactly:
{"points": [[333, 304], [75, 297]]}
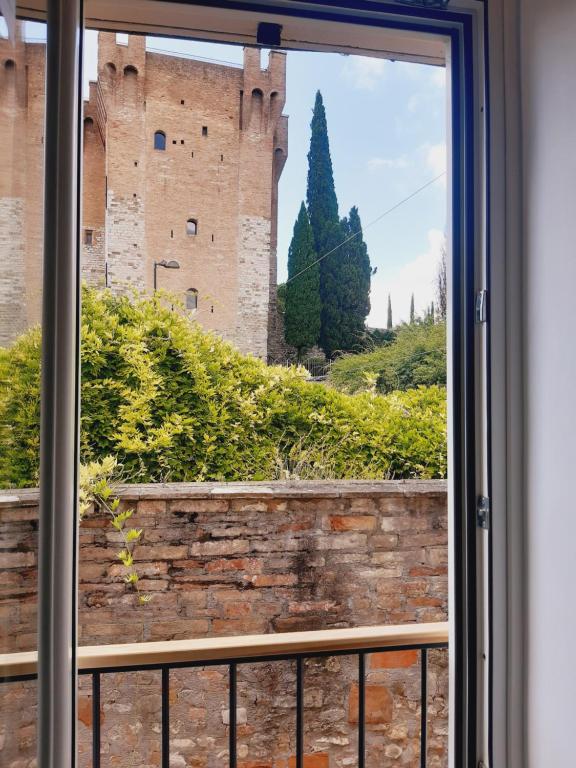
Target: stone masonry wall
{"points": [[126, 250], [13, 320], [241, 559], [253, 285]]}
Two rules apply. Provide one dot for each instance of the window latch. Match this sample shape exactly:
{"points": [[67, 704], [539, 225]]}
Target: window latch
{"points": [[481, 307], [483, 512]]}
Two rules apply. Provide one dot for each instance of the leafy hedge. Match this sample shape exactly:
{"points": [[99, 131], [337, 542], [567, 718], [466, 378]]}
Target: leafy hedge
{"points": [[173, 403], [416, 357]]}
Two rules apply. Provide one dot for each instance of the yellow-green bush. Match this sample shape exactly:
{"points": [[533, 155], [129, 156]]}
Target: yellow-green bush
{"points": [[415, 357], [173, 402]]}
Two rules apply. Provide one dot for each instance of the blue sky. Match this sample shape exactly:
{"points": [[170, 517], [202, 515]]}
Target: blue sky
{"points": [[387, 128]]}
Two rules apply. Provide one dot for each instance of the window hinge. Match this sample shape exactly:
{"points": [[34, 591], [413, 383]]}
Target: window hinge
{"points": [[483, 512], [481, 309]]}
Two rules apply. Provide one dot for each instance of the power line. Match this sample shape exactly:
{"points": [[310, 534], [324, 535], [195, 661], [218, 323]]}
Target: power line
{"points": [[374, 221]]}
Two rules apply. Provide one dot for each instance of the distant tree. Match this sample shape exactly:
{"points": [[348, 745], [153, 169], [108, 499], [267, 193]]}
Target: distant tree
{"points": [[321, 194], [345, 289], [302, 313], [344, 262], [414, 357], [389, 318], [333, 331], [442, 285], [356, 274], [326, 228], [432, 314], [412, 313]]}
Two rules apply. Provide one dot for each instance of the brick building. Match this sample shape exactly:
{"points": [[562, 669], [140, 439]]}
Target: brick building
{"points": [[181, 163]]}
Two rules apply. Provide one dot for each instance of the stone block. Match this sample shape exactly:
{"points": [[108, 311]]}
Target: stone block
{"points": [[220, 547], [352, 522], [393, 659], [241, 716], [379, 704]]}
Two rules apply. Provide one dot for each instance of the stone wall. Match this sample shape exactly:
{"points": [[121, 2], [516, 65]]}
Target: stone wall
{"points": [[240, 559]]}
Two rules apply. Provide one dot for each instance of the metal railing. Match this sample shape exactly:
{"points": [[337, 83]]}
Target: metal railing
{"points": [[318, 370], [232, 652]]}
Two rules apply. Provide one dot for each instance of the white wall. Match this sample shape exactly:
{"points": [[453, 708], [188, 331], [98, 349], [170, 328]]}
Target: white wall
{"points": [[548, 75]]}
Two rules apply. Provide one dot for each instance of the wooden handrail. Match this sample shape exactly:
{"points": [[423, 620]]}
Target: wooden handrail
{"points": [[212, 649]]}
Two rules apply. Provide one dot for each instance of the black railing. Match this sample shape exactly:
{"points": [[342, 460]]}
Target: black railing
{"points": [[299, 657]]}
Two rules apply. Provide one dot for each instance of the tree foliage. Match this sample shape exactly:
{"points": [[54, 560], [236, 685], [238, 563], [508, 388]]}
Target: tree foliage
{"points": [[302, 313], [170, 401], [389, 323], [416, 357], [321, 193], [344, 262]]}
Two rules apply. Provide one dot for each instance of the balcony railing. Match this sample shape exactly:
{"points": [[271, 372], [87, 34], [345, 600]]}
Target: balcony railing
{"points": [[235, 651]]}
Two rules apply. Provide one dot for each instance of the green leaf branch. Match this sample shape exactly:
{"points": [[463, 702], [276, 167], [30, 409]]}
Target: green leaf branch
{"points": [[95, 491]]}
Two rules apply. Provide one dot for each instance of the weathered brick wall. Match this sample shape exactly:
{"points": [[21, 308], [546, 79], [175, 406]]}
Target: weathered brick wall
{"points": [[239, 559]]}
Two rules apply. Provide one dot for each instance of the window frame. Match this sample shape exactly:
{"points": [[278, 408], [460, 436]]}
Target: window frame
{"points": [[157, 134], [192, 292], [463, 25]]}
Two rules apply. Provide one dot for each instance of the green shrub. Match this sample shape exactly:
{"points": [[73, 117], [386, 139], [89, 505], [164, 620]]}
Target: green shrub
{"points": [[416, 357], [175, 403]]}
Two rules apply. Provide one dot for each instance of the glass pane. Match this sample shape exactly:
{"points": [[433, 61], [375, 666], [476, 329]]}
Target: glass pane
{"points": [[259, 374], [22, 110]]}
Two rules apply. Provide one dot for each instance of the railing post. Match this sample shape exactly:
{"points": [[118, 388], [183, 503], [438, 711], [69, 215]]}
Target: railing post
{"points": [[165, 717], [96, 720], [232, 704], [299, 712], [361, 710], [423, 708], [59, 419]]}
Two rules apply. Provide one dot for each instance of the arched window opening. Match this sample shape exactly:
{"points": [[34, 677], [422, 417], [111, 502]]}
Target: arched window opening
{"points": [[160, 140], [191, 227], [130, 70], [191, 299], [111, 68], [9, 64], [88, 122], [256, 109]]}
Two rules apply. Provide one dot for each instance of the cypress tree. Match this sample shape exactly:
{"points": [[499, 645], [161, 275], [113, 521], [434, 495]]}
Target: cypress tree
{"points": [[344, 266], [345, 289], [321, 194], [302, 313], [356, 278], [412, 315], [389, 319]]}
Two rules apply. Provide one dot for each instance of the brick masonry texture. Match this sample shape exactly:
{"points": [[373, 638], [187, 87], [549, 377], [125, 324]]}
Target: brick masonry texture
{"points": [[240, 559], [226, 145]]}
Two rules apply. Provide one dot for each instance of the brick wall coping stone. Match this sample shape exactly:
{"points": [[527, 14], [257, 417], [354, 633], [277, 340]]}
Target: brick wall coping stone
{"points": [[275, 489]]}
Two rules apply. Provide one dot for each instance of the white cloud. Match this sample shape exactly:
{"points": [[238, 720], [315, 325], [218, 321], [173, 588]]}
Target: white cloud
{"points": [[416, 277], [364, 73], [436, 157], [375, 163]]}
